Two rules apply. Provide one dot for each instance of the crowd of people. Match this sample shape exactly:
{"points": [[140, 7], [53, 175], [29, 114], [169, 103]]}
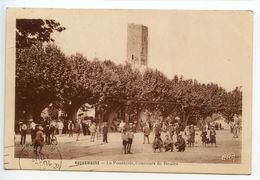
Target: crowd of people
{"points": [[176, 138], [167, 136], [42, 134]]}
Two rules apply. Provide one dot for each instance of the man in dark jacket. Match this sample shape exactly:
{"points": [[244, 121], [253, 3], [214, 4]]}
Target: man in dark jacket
{"points": [[105, 132], [23, 130], [48, 134]]}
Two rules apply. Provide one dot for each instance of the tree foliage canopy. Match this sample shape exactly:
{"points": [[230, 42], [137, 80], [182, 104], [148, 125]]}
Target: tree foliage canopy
{"points": [[33, 31], [44, 74]]}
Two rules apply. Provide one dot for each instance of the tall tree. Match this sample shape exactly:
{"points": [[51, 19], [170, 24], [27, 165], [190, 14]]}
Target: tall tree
{"points": [[41, 77]]}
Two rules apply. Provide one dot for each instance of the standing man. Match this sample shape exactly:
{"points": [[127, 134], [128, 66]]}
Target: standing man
{"points": [[124, 140], [105, 132], [70, 128], [92, 130], [121, 126], [171, 131], [23, 131], [47, 134], [212, 136], [157, 131], [60, 127], [146, 131], [130, 136], [52, 128], [32, 130], [235, 131], [84, 127], [192, 135], [77, 129]]}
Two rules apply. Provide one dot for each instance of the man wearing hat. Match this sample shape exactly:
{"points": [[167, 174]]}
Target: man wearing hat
{"points": [[78, 128], [124, 140], [192, 134], [171, 130], [146, 131], [23, 131], [105, 132], [130, 135], [92, 130], [60, 127], [70, 128], [48, 131], [177, 125], [212, 136]]}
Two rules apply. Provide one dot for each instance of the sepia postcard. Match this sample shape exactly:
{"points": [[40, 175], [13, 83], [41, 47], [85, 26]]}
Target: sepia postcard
{"points": [[166, 91]]}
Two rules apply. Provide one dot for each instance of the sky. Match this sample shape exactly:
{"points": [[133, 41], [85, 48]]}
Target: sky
{"points": [[209, 46]]}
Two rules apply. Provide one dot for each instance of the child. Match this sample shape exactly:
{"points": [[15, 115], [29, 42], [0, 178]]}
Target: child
{"points": [[130, 136], [157, 144], [39, 140], [125, 140], [180, 144], [168, 144]]}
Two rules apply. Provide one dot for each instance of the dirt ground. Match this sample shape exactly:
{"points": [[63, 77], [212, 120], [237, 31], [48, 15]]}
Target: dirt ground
{"points": [[69, 148]]}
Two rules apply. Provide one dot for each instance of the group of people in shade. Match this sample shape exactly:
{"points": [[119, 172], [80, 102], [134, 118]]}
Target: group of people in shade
{"points": [[37, 136], [43, 134], [93, 129], [168, 144], [175, 137]]}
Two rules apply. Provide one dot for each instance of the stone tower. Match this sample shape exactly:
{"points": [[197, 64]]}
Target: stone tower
{"points": [[137, 45]]}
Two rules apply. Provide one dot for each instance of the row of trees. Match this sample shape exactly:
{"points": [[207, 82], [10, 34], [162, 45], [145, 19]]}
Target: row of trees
{"points": [[44, 75]]}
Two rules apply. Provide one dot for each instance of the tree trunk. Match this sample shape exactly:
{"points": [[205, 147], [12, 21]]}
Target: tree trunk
{"points": [[72, 113], [110, 115], [110, 118], [139, 119], [37, 111], [185, 120]]}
